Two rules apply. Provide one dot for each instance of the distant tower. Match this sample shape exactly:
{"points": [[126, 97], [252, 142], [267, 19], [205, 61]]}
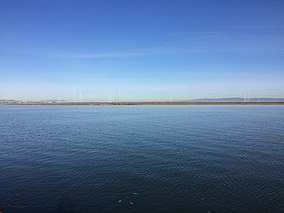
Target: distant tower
{"points": [[110, 95], [189, 93], [246, 96], [74, 96]]}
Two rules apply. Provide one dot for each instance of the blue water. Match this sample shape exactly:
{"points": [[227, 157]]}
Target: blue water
{"points": [[141, 159]]}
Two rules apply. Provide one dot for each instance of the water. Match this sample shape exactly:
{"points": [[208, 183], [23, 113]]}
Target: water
{"points": [[141, 159]]}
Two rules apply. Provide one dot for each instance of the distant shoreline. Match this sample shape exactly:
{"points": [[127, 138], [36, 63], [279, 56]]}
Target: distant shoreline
{"points": [[140, 103]]}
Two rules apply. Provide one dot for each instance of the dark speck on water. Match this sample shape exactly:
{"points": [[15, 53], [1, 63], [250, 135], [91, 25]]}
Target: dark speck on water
{"points": [[141, 159]]}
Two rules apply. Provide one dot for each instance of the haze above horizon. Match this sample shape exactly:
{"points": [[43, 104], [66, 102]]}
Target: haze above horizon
{"points": [[132, 50]]}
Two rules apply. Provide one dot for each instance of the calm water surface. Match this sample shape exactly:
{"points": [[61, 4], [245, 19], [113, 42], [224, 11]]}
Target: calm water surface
{"points": [[141, 159]]}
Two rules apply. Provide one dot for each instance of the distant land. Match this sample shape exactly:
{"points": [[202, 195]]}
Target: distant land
{"points": [[206, 101], [237, 99]]}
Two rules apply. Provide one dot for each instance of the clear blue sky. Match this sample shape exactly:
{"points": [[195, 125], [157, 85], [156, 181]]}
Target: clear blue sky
{"points": [[141, 49]]}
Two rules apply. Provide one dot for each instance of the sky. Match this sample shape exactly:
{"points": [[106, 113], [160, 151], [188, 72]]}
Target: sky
{"points": [[131, 50]]}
